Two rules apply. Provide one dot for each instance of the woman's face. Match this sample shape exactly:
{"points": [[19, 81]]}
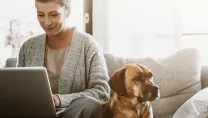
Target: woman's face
{"points": [[52, 17]]}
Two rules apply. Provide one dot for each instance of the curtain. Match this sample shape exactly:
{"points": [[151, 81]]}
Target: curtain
{"points": [[137, 28]]}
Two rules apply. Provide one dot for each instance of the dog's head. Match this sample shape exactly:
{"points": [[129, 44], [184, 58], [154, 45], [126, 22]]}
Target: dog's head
{"points": [[134, 80]]}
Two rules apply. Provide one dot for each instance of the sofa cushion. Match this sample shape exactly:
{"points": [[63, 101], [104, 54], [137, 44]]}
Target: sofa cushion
{"points": [[178, 77]]}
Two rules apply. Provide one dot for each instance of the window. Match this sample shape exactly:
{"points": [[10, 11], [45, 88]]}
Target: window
{"points": [[194, 26], [154, 28], [137, 28]]}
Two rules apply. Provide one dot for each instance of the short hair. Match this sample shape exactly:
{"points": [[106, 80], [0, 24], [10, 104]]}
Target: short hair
{"points": [[65, 3]]}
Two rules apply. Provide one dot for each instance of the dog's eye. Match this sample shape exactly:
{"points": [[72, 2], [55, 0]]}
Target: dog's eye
{"points": [[139, 78], [142, 78]]}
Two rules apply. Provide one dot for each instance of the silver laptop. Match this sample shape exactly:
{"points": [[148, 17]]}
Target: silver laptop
{"points": [[26, 92]]}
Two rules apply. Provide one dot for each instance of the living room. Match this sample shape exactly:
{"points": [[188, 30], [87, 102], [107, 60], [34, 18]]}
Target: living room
{"points": [[167, 36]]}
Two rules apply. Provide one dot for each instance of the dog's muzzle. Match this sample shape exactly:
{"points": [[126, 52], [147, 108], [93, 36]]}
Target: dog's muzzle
{"points": [[151, 93]]}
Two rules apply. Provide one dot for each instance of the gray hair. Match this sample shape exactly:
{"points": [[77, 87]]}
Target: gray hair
{"points": [[65, 3]]}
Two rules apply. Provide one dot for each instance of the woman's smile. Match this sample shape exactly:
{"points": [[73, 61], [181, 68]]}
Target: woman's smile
{"points": [[50, 28]]}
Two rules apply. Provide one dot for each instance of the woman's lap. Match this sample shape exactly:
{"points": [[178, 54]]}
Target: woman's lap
{"points": [[83, 107]]}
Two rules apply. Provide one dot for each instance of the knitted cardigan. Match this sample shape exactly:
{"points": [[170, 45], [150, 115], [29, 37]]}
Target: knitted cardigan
{"points": [[84, 71]]}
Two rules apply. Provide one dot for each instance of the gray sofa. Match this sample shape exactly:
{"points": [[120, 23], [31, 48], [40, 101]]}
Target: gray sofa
{"points": [[175, 89]]}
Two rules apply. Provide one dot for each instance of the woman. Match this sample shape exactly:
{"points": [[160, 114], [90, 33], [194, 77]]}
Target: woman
{"points": [[76, 67]]}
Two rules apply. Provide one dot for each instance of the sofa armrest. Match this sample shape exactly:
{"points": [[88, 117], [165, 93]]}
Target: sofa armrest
{"points": [[11, 62], [204, 76]]}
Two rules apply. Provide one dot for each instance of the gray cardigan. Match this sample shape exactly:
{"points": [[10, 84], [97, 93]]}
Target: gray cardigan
{"points": [[84, 72]]}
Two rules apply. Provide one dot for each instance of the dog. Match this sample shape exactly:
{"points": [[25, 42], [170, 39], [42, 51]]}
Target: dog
{"points": [[133, 87]]}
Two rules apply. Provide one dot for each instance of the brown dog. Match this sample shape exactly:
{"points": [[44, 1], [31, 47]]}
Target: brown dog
{"points": [[133, 87]]}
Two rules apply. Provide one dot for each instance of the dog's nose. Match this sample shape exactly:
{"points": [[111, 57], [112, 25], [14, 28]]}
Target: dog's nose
{"points": [[155, 91], [152, 92], [154, 88]]}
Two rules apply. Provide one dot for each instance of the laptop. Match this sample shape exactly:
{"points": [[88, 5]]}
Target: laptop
{"points": [[26, 92]]}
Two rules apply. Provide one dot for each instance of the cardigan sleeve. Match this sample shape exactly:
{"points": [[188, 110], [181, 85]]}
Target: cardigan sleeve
{"points": [[98, 87]]}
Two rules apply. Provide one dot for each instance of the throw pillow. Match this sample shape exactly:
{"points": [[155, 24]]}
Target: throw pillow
{"points": [[195, 107]]}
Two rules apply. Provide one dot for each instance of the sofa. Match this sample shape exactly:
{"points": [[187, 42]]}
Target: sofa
{"points": [[179, 77]]}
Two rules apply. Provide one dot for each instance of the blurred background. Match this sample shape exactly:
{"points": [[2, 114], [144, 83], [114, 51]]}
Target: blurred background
{"points": [[125, 28]]}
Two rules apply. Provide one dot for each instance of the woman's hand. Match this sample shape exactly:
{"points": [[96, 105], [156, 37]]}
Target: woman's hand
{"points": [[56, 100]]}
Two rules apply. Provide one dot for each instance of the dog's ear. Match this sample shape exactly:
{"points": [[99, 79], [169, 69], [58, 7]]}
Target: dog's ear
{"points": [[141, 66], [116, 82], [146, 70]]}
